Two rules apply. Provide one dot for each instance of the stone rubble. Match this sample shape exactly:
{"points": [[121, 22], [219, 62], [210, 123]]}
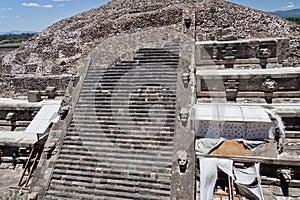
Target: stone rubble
{"points": [[73, 38]]}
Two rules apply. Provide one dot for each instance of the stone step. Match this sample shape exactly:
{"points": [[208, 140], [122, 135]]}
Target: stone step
{"points": [[149, 65], [118, 141], [112, 96], [163, 133], [113, 135], [94, 107], [128, 61], [138, 119], [132, 77], [117, 154], [54, 194], [155, 57], [157, 50], [123, 126], [116, 89], [142, 71], [113, 165], [109, 144], [104, 178], [158, 61], [120, 117], [74, 126], [126, 110], [152, 66], [97, 105], [133, 85], [128, 114], [102, 121], [115, 127], [112, 184], [109, 124], [87, 109], [165, 48], [112, 132], [115, 95], [162, 176], [146, 179], [161, 52], [130, 101], [132, 81], [122, 91], [129, 121], [156, 176], [129, 80], [117, 159], [138, 70], [117, 192], [119, 90], [113, 150], [79, 130], [114, 104]]}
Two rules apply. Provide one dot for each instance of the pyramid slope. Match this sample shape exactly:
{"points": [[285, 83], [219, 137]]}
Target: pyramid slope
{"points": [[73, 38]]}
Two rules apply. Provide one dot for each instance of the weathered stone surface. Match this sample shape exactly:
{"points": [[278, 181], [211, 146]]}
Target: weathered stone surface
{"points": [[12, 86], [106, 36], [73, 38]]}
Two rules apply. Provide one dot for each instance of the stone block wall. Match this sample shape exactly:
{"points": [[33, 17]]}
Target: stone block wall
{"points": [[21, 115], [257, 83], [241, 52], [20, 85]]}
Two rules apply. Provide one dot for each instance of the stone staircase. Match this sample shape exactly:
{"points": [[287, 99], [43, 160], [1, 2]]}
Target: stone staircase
{"points": [[119, 144]]}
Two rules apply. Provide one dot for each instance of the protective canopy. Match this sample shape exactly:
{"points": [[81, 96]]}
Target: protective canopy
{"points": [[246, 179]]}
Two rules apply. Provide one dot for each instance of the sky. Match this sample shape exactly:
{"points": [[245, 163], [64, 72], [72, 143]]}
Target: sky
{"points": [[36, 15]]}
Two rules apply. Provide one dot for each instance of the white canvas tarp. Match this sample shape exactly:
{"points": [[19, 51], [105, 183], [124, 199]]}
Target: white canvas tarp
{"points": [[246, 179], [206, 145], [209, 173]]}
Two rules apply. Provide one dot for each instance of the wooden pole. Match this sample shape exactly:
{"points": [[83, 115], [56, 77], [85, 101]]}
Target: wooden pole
{"points": [[33, 165], [230, 189], [26, 166]]}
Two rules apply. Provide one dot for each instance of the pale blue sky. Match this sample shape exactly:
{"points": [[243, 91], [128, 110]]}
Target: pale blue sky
{"points": [[36, 15]]}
